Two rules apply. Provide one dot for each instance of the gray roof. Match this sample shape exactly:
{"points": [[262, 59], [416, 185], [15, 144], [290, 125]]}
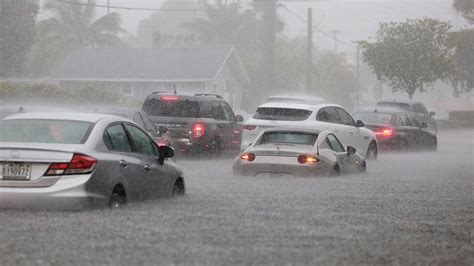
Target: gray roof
{"points": [[193, 64]]}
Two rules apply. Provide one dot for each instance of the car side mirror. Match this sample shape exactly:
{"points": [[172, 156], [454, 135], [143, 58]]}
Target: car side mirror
{"points": [[162, 130], [359, 123], [424, 125], [165, 152], [351, 150], [239, 118], [432, 113]]}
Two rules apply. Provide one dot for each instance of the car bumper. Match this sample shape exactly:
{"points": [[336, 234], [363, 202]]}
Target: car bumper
{"points": [[68, 193], [296, 169]]}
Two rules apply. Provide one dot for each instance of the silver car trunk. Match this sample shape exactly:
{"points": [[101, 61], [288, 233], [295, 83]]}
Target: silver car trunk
{"points": [[24, 164]]}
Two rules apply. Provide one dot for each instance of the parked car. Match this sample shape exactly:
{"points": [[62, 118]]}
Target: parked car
{"points": [[197, 123], [417, 109], [160, 134], [74, 160], [398, 130], [298, 152], [311, 116]]}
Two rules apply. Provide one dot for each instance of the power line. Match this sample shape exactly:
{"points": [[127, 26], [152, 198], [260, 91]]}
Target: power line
{"points": [[130, 8], [315, 28]]}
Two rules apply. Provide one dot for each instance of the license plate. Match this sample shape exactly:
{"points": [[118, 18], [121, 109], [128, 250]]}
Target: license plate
{"points": [[16, 171]]}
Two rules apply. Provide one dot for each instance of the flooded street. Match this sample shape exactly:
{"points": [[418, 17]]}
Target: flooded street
{"points": [[408, 208]]}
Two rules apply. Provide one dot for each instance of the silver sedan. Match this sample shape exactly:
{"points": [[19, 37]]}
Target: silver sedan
{"points": [[75, 160], [299, 153]]}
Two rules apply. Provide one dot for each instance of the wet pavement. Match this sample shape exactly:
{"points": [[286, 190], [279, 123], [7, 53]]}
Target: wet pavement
{"points": [[409, 208]]}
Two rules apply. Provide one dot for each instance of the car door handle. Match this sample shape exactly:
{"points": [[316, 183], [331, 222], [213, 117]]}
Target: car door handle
{"points": [[147, 167], [123, 163], [351, 132]]}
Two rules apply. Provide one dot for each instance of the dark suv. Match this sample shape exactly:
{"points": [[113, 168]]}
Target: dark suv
{"points": [[417, 109], [196, 123]]}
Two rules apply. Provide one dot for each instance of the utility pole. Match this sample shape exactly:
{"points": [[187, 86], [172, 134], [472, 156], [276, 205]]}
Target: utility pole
{"points": [[309, 56], [269, 17], [358, 77], [335, 32]]}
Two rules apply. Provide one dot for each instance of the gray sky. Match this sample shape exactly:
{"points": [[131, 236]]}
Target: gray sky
{"points": [[353, 19]]}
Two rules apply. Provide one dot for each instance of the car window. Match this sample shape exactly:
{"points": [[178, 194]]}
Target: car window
{"points": [[414, 122], [334, 143], [170, 106], [374, 118], [138, 119], [217, 111], [420, 108], [402, 120], [345, 117], [149, 125], [302, 138], [116, 139], [328, 114], [281, 114], [229, 114], [44, 131], [141, 142]]}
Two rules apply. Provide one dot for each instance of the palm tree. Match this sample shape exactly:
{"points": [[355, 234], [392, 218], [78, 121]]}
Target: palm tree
{"points": [[71, 27]]}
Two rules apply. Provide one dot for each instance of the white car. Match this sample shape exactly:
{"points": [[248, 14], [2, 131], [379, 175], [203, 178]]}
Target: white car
{"points": [[318, 117], [299, 153]]}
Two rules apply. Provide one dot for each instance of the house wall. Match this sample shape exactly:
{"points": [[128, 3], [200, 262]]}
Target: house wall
{"points": [[229, 86]]}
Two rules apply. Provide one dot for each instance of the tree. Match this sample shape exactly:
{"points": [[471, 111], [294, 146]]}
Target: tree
{"points": [[335, 79], [17, 32], [411, 55], [466, 8], [72, 27]]}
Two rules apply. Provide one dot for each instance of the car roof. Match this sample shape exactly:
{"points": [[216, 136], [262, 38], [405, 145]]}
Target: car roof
{"points": [[72, 116], [296, 98], [382, 111], [409, 102], [306, 106], [282, 129], [188, 96]]}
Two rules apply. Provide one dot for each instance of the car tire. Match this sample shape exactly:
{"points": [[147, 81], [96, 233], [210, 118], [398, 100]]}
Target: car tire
{"points": [[363, 167], [372, 152], [178, 188], [214, 149], [335, 171], [434, 144], [117, 201]]}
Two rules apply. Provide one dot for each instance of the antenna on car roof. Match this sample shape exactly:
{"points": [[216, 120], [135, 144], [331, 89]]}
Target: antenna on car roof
{"points": [[174, 88]]}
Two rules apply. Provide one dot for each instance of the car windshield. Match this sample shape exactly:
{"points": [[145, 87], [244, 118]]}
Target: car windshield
{"points": [[393, 105], [374, 118], [282, 114], [171, 108], [301, 138], [44, 131]]}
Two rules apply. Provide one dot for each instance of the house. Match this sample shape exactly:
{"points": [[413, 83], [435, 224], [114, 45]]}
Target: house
{"points": [[137, 72]]}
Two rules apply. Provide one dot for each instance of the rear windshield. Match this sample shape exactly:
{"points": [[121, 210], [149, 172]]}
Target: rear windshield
{"points": [[282, 114], [44, 131], [374, 118], [394, 105], [301, 138], [174, 108]]}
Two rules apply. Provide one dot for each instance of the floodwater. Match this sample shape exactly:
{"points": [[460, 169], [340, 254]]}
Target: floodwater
{"points": [[409, 208]]}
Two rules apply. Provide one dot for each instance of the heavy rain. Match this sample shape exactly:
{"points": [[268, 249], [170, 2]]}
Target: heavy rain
{"points": [[222, 132]]}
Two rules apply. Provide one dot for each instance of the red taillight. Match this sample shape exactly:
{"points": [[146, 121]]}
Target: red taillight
{"points": [[170, 98], [198, 130], [79, 164], [306, 158], [385, 132], [249, 127], [248, 157]]}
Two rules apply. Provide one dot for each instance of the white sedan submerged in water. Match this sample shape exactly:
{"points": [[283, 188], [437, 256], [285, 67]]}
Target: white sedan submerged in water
{"points": [[299, 153]]}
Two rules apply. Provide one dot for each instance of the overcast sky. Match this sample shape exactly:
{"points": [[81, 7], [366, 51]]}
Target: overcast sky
{"points": [[353, 19]]}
